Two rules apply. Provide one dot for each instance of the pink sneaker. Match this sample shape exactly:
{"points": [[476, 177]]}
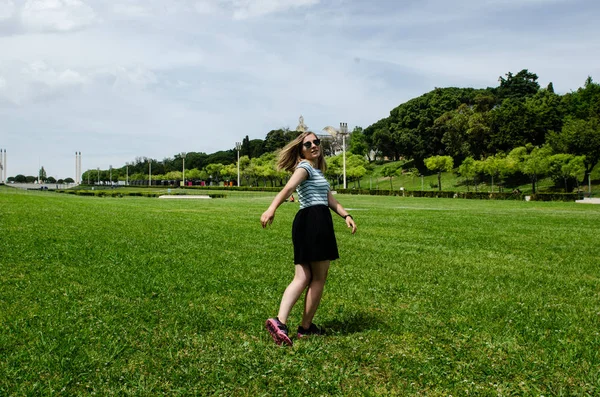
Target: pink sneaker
{"points": [[278, 331]]}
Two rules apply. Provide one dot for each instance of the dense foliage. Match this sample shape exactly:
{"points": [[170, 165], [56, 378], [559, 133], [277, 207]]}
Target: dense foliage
{"points": [[464, 124]]}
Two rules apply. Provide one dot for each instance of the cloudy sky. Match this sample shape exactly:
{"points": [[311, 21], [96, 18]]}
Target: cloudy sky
{"points": [[123, 79]]}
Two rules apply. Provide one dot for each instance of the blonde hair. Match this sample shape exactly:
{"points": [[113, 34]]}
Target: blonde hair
{"points": [[291, 154]]}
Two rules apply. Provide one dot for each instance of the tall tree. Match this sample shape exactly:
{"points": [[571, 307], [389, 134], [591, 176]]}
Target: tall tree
{"points": [[533, 162], [567, 169], [439, 164], [358, 142], [468, 170], [580, 138], [583, 103], [276, 139], [517, 86], [245, 147]]}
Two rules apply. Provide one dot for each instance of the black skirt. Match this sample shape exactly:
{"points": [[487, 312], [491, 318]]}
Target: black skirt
{"points": [[313, 236]]}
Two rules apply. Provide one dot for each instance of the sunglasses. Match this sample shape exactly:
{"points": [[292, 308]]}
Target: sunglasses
{"points": [[309, 144]]}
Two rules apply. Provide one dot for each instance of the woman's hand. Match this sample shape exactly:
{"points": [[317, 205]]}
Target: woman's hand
{"points": [[267, 218], [351, 224]]}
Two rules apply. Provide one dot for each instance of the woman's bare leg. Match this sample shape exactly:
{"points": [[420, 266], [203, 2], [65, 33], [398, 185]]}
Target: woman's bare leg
{"points": [[302, 278], [314, 291]]}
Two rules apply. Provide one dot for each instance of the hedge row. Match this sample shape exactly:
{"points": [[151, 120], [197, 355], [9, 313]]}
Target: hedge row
{"points": [[115, 193], [380, 192], [464, 195]]}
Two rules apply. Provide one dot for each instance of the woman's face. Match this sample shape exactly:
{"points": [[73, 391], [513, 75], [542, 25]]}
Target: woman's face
{"points": [[311, 147]]}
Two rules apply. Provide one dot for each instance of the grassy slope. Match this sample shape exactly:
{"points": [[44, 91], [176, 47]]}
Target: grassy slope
{"points": [[451, 181], [436, 296]]}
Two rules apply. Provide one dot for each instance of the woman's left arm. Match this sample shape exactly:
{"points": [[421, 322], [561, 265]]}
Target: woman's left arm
{"points": [[338, 209]]}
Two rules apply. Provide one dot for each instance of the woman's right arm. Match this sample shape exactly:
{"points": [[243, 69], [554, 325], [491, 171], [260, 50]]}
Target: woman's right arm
{"points": [[297, 177]]}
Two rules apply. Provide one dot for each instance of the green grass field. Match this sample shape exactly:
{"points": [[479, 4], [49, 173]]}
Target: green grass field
{"points": [[431, 297]]}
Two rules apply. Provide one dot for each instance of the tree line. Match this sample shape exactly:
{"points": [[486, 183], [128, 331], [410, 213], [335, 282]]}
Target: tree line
{"points": [[495, 130]]}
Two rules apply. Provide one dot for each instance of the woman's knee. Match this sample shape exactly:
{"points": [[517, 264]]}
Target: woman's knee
{"points": [[303, 275], [319, 271]]}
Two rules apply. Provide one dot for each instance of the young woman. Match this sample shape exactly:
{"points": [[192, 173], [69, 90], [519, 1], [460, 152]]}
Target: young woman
{"points": [[312, 232]]}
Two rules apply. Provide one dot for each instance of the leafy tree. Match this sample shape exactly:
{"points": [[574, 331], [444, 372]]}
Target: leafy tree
{"points": [[245, 150], [257, 148], [264, 167], [10, 179], [276, 139], [479, 134], [534, 162], [196, 160], [358, 142], [290, 135], [468, 170], [356, 167], [42, 175], [170, 176], [412, 123], [335, 170], [517, 86], [453, 127], [510, 126], [20, 178], [583, 103], [566, 167], [499, 166], [196, 175], [580, 138], [389, 171], [385, 143], [51, 179], [249, 172], [545, 113], [30, 179], [229, 172], [356, 173], [244, 163], [214, 171], [439, 164], [222, 157]]}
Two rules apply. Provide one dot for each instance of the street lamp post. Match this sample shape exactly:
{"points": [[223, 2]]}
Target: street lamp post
{"points": [[98, 172], [238, 147], [183, 174], [344, 132]]}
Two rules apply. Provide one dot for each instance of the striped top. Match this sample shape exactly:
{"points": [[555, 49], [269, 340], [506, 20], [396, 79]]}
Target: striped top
{"points": [[313, 190]]}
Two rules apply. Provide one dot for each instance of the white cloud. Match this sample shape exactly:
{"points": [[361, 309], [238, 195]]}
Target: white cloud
{"points": [[23, 84], [206, 7], [247, 9], [41, 73], [7, 9], [255, 8], [57, 15], [138, 77], [134, 10], [200, 75]]}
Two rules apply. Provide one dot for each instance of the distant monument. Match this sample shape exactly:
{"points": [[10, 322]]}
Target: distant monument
{"points": [[301, 126]]}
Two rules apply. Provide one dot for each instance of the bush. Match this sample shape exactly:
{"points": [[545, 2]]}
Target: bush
{"points": [[554, 197]]}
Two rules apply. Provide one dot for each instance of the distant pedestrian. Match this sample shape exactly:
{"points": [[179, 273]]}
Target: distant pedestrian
{"points": [[312, 233]]}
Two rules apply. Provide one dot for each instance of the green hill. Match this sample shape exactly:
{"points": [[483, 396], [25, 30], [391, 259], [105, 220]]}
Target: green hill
{"points": [[453, 182]]}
